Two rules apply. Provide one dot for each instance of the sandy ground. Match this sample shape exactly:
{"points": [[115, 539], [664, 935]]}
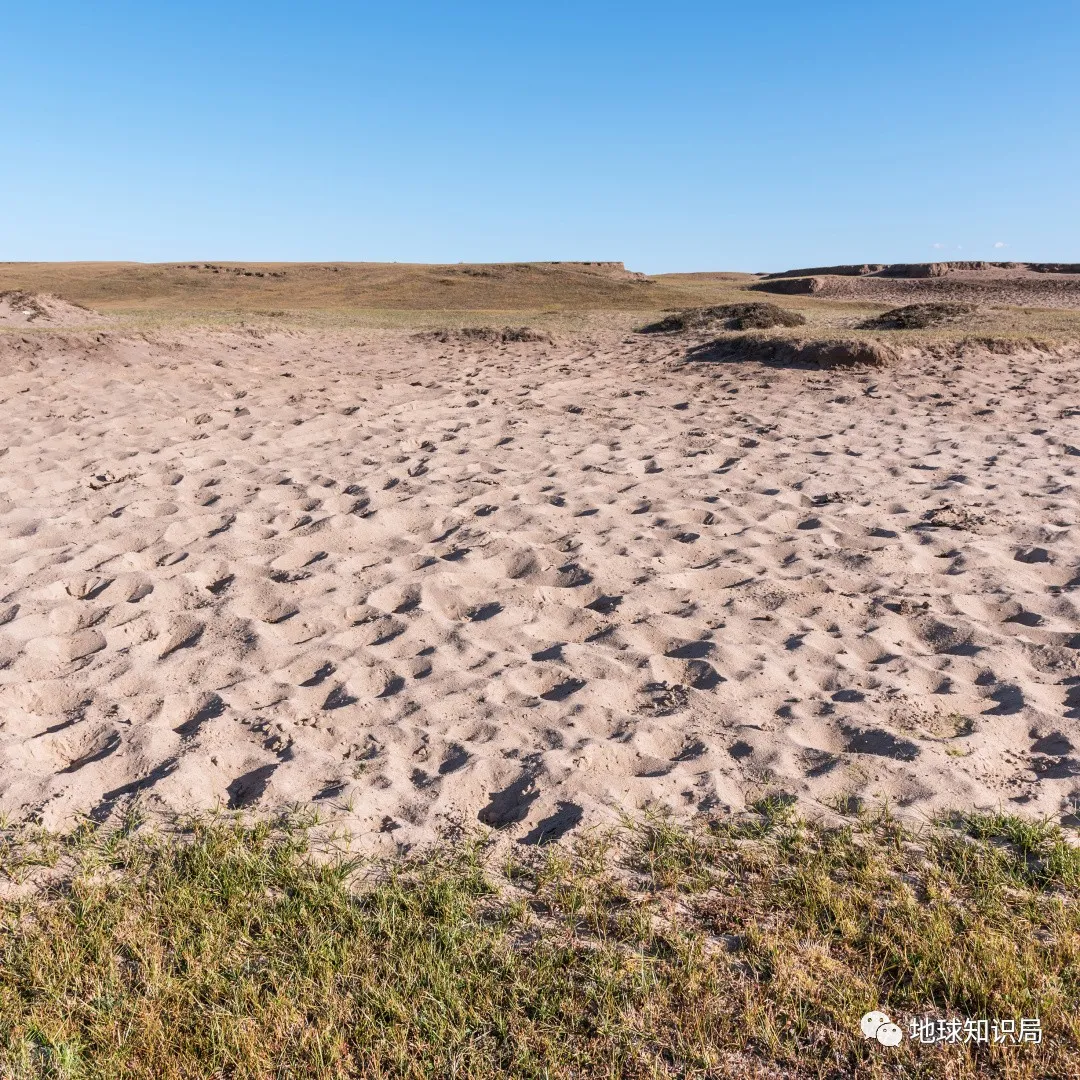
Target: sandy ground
{"points": [[539, 585], [19, 308]]}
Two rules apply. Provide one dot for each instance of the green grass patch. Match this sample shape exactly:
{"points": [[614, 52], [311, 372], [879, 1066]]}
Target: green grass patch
{"points": [[228, 948]]}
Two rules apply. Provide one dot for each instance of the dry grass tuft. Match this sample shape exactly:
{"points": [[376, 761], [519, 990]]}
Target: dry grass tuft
{"points": [[920, 316], [752, 316], [797, 352], [484, 335]]}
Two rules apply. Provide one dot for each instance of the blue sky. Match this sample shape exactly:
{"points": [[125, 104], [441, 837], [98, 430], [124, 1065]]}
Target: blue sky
{"points": [[675, 136]]}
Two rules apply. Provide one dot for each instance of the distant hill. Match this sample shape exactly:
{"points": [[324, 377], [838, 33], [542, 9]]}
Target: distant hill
{"points": [[1044, 285], [264, 287], [925, 270]]}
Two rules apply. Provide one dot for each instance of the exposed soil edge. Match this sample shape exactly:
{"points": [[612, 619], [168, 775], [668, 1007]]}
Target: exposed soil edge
{"points": [[863, 352]]}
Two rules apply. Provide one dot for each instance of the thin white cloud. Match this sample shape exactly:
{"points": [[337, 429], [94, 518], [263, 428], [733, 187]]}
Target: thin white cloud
{"points": [[1000, 244], [939, 246]]}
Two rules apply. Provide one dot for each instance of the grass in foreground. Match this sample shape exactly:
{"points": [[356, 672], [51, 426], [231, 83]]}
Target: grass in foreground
{"points": [[749, 949]]}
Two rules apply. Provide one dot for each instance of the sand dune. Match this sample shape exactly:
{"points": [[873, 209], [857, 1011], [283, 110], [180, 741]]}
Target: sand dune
{"points": [[21, 308], [532, 584]]}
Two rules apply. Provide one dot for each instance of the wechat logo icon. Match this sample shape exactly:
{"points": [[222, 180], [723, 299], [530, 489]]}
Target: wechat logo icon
{"points": [[877, 1025]]}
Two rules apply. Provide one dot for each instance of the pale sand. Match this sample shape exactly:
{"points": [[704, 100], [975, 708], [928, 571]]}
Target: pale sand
{"points": [[19, 308], [417, 583]]}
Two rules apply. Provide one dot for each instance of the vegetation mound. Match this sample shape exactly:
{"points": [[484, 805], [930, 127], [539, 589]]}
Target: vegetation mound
{"points": [[484, 335], [919, 316], [753, 316], [789, 352]]}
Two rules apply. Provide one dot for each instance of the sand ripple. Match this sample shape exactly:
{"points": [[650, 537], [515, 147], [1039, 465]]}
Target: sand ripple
{"points": [[530, 584]]}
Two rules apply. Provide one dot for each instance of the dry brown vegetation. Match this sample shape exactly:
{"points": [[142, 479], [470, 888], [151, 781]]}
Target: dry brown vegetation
{"points": [[753, 316], [919, 316], [818, 352], [483, 335], [546, 297], [268, 287]]}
